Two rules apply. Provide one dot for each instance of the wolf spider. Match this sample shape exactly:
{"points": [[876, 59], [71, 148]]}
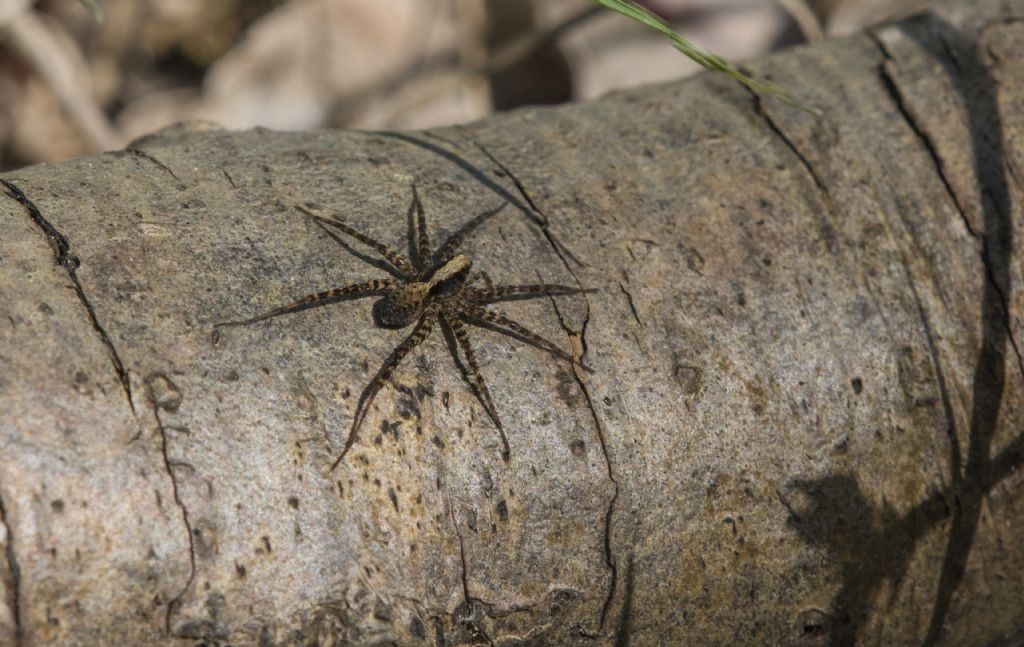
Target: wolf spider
{"points": [[430, 288]]}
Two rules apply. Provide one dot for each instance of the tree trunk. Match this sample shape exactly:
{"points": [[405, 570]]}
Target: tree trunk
{"points": [[805, 423]]}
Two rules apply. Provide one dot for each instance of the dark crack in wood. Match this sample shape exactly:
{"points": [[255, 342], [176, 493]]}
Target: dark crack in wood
{"points": [[173, 603], [542, 217], [146, 156], [71, 263], [926, 141], [632, 306]]}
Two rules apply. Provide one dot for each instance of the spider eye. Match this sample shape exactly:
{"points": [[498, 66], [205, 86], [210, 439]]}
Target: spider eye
{"points": [[388, 313]]}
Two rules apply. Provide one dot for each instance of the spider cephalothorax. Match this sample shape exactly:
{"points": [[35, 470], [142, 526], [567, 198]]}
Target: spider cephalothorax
{"points": [[428, 289], [403, 304]]}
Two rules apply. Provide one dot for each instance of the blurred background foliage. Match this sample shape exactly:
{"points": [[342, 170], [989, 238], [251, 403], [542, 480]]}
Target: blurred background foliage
{"points": [[71, 86]]}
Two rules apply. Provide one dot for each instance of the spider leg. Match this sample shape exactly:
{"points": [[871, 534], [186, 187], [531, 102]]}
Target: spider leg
{"points": [[478, 384], [400, 264], [480, 316], [422, 240], [480, 276], [447, 249], [415, 338], [356, 290], [533, 291]]}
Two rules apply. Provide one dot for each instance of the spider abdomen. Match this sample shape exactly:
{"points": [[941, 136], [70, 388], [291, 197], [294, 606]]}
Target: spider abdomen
{"points": [[401, 306]]}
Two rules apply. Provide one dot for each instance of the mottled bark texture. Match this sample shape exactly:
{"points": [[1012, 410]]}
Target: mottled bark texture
{"points": [[806, 424]]}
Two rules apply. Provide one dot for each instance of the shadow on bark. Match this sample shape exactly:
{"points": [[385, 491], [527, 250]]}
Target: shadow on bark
{"points": [[873, 544]]}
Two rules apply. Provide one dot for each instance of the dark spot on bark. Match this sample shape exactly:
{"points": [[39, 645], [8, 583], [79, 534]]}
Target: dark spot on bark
{"points": [[393, 497], [690, 378], [293, 501], [568, 389], [57, 506], [437, 441], [417, 629], [579, 448], [502, 509], [382, 611], [240, 570], [858, 385], [812, 623]]}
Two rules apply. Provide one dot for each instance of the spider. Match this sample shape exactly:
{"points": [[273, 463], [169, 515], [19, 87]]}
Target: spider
{"points": [[431, 288]]}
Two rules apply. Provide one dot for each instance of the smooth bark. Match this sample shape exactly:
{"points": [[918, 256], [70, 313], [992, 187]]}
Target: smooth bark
{"points": [[805, 424]]}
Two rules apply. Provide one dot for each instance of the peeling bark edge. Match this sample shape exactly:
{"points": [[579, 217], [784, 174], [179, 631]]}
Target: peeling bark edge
{"points": [[61, 250]]}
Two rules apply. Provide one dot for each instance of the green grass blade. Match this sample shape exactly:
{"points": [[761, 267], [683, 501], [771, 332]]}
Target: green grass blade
{"points": [[94, 9], [702, 57]]}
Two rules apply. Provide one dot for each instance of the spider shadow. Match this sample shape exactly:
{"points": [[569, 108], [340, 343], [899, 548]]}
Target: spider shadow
{"points": [[467, 376], [366, 258], [480, 323]]}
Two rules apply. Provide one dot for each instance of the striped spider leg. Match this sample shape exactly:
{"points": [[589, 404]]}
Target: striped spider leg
{"points": [[428, 289]]}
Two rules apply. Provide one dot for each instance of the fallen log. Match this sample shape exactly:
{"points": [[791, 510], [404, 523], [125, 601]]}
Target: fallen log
{"points": [[805, 423]]}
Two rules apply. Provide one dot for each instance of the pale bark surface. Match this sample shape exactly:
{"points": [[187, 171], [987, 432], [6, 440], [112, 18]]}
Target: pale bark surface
{"points": [[806, 424]]}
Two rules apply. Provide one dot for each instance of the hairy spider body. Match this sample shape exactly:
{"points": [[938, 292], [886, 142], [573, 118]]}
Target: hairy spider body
{"points": [[403, 304], [426, 290]]}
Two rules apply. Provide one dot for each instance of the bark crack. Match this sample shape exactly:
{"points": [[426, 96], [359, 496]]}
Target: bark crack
{"points": [[632, 306], [143, 154], [462, 557], [70, 263], [14, 596], [542, 217], [609, 556], [892, 88], [173, 603], [778, 132], [933, 348]]}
